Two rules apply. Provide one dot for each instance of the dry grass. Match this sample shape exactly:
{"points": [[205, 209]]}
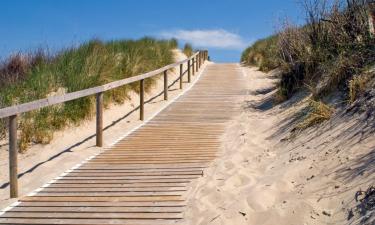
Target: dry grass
{"points": [[318, 112], [333, 46], [357, 86]]}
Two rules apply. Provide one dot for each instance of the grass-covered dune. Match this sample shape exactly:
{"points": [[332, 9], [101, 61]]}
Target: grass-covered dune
{"points": [[28, 77], [330, 55], [331, 52]]}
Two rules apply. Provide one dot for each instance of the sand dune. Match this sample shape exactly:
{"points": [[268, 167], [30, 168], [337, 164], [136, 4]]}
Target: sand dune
{"points": [[266, 176]]}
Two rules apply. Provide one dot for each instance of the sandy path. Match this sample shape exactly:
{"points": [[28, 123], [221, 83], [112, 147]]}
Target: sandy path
{"points": [[266, 176], [228, 192], [42, 163]]}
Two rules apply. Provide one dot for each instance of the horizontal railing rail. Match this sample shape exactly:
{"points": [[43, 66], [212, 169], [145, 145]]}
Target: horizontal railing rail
{"points": [[193, 64], [53, 100]]}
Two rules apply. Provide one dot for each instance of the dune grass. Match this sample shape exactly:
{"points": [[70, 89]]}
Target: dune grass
{"points": [[28, 77], [263, 54], [318, 112], [328, 55], [333, 46], [188, 50]]}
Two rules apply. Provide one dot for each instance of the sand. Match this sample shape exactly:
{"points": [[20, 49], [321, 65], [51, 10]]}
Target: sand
{"points": [[41, 163], [265, 175], [262, 175]]}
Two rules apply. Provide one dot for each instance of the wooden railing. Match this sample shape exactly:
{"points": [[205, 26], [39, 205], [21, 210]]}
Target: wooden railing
{"points": [[193, 64]]}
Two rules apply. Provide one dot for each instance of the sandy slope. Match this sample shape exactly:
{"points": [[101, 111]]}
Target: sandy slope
{"points": [[42, 163], [264, 175]]}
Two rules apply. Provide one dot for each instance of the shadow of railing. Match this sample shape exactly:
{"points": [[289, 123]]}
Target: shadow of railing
{"points": [[70, 148]]}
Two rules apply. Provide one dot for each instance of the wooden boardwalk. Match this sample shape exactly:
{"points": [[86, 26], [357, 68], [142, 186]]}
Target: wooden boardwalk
{"points": [[143, 178]]}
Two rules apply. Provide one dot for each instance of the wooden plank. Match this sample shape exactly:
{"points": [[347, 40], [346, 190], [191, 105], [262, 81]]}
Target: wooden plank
{"points": [[55, 189], [121, 181], [140, 198], [126, 177], [98, 209], [80, 194], [94, 215], [119, 185], [136, 173], [49, 221], [102, 204]]}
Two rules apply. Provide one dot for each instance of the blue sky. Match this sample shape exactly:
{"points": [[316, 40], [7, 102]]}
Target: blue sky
{"points": [[224, 27]]}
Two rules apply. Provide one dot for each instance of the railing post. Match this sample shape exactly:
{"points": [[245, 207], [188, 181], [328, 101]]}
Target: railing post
{"points": [[141, 99], [196, 63], [181, 72], [193, 66], [99, 119], [200, 59], [13, 157], [165, 85], [189, 72]]}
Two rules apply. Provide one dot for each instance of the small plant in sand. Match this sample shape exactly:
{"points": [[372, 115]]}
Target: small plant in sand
{"points": [[318, 112], [357, 86]]}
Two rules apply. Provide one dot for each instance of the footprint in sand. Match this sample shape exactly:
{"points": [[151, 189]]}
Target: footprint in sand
{"points": [[236, 181]]}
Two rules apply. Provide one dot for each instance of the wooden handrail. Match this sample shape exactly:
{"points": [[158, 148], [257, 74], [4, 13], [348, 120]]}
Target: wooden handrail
{"points": [[12, 111], [53, 100]]}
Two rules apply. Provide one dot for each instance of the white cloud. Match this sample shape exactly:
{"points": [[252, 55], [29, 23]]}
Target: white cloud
{"points": [[218, 38]]}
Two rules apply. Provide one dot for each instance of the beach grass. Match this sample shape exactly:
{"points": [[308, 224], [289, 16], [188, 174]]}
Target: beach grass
{"points": [[32, 76]]}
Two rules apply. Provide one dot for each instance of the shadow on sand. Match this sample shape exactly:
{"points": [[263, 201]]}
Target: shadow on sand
{"points": [[70, 148]]}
